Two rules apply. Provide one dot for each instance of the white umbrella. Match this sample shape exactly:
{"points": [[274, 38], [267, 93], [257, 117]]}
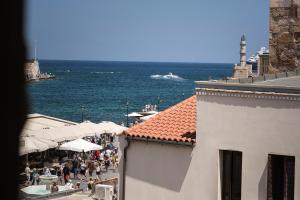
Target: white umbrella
{"points": [[30, 144], [60, 134], [111, 127], [88, 128], [134, 114], [73, 132], [80, 145]]}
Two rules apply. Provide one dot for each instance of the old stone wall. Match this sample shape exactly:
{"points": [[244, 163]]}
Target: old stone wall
{"points": [[32, 70], [284, 42]]}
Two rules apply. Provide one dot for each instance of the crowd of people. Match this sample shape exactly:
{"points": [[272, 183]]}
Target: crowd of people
{"points": [[84, 167]]}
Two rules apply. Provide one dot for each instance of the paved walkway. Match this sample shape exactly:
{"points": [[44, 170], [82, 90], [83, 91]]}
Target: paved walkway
{"points": [[111, 173], [75, 196]]}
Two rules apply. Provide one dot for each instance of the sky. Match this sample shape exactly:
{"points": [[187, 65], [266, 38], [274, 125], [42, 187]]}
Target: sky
{"points": [[202, 31]]}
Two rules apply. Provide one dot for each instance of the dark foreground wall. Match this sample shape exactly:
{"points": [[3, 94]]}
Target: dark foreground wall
{"points": [[13, 98], [284, 35]]}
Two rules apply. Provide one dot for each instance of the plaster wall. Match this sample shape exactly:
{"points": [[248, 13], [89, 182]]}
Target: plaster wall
{"points": [[257, 127]]}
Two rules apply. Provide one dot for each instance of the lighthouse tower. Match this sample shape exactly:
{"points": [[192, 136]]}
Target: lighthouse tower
{"points": [[243, 70], [243, 45]]}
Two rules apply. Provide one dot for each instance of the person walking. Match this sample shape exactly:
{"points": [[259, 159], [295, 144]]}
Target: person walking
{"points": [[106, 163], [82, 169], [75, 168], [66, 172], [59, 173], [27, 173], [91, 168], [35, 177], [98, 170], [113, 160]]}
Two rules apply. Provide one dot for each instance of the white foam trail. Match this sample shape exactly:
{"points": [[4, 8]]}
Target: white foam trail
{"points": [[64, 70], [169, 76], [102, 72]]}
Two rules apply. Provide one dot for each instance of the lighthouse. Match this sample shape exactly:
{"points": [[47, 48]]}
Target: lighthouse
{"points": [[243, 45], [243, 70]]}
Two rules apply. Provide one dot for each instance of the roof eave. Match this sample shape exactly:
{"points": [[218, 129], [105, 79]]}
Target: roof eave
{"points": [[143, 139]]}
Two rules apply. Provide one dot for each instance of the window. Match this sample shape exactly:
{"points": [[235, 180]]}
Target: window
{"points": [[281, 177], [231, 174]]}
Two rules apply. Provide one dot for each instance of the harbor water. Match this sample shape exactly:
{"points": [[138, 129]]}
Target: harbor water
{"points": [[98, 90]]}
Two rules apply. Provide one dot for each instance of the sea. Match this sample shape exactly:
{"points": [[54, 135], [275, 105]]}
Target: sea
{"points": [[104, 90]]}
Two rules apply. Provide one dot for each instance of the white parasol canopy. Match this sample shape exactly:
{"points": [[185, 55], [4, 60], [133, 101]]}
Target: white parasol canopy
{"points": [[73, 132], [64, 133], [60, 134], [30, 144], [111, 127], [88, 128], [134, 114], [80, 145]]}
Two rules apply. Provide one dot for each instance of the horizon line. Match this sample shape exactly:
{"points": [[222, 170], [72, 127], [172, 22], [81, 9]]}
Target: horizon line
{"points": [[188, 62]]}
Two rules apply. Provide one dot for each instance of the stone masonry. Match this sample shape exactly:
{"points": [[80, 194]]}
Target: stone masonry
{"points": [[284, 41]]}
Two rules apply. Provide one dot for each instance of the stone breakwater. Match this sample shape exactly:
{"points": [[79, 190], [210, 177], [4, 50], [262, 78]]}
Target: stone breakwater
{"points": [[284, 35]]}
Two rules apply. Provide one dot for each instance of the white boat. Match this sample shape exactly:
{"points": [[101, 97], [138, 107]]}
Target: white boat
{"points": [[252, 59]]}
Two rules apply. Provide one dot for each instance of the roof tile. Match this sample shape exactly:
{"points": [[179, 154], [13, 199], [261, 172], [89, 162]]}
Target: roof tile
{"points": [[177, 123]]}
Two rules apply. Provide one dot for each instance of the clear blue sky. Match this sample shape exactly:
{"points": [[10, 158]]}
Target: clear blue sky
{"points": [[146, 30]]}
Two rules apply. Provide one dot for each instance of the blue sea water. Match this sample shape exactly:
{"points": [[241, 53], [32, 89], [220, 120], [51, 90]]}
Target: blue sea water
{"points": [[103, 87]]}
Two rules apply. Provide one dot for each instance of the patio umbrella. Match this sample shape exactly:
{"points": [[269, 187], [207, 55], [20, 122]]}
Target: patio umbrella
{"points": [[88, 128], [60, 134], [30, 144], [111, 127], [80, 145]]}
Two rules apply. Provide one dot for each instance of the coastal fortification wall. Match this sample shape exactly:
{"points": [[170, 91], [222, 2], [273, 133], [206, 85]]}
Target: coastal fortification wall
{"points": [[32, 70], [284, 40]]}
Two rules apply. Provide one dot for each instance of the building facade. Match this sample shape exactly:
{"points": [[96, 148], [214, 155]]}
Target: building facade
{"points": [[246, 147], [258, 126]]}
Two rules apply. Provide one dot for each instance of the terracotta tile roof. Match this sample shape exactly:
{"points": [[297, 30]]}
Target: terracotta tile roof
{"points": [[177, 123]]}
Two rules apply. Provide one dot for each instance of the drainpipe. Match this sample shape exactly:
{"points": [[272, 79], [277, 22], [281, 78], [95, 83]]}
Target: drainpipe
{"points": [[124, 168]]}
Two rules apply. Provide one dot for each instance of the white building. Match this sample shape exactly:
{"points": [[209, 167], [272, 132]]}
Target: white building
{"points": [[246, 146]]}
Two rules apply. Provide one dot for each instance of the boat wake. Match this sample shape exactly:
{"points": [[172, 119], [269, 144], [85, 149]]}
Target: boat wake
{"points": [[102, 72], [169, 76]]}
